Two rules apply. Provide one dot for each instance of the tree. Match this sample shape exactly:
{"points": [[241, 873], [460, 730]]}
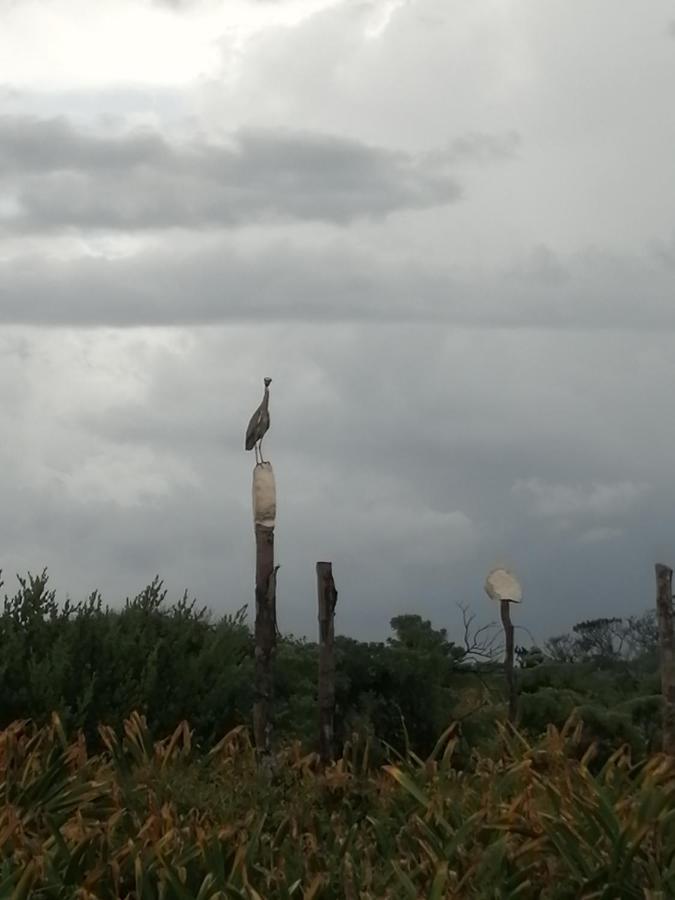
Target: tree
{"points": [[412, 632], [401, 690], [642, 636], [601, 639]]}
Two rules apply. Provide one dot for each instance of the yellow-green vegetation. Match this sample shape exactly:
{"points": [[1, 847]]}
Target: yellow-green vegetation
{"points": [[146, 820]]}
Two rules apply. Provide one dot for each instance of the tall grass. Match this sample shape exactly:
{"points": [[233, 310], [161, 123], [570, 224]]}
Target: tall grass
{"points": [[152, 820]]}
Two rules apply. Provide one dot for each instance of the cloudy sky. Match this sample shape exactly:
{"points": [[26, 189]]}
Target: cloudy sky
{"points": [[446, 229]]}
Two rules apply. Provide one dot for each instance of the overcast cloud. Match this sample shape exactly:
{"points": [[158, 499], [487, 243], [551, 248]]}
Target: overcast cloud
{"points": [[54, 176], [445, 229]]}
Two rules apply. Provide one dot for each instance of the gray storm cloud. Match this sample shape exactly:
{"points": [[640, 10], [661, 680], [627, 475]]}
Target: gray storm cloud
{"points": [[59, 176], [447, 232], [337, 282]]}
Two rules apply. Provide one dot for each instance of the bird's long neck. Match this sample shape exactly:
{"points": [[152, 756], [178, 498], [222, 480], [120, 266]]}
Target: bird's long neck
{"points": [[266, 398]]}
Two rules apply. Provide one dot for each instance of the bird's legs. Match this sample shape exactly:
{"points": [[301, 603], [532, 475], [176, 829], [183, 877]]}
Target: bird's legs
{"points": [[255, 448], [260, 449]]}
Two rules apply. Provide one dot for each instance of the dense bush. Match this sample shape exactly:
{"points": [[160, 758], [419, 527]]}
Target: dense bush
{"points": [[93, 664]]}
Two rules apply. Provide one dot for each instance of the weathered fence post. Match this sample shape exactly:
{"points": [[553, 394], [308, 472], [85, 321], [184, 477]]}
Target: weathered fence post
{"points": [[664, 609], [503, 586], [327, 596], [264, 514], [508, 659]]}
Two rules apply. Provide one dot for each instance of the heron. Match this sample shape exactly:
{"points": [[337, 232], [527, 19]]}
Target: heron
{"points": [[260, 422]]}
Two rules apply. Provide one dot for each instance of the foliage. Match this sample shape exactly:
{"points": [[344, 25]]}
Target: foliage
{"points": [[574, 804], [171, 662], [96, 665], [404, 690], [152, 820], [608, 640]]}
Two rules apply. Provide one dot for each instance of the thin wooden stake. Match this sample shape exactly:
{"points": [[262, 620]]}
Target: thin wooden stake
{"points": [[664, 609], [508, 661], [327, 596]]}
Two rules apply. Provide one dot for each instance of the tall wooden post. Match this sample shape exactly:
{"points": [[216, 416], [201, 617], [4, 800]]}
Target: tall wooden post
{"points": [[508, 661], [327, 596], [264, 514], [503, 586], [664, 609]]}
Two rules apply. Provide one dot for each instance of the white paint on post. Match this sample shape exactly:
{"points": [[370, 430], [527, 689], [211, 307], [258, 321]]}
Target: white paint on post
{"points": [[264, 495], [503, 585]]}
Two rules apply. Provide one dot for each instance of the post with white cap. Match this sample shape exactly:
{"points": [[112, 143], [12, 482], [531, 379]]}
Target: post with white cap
{"points": [[264, 512], [503, 586], [264, 518]]}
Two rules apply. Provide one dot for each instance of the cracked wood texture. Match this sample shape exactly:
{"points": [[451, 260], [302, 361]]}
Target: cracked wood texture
{"points": [[508, 660], [664, 608], [327, 596], [265, 637]]}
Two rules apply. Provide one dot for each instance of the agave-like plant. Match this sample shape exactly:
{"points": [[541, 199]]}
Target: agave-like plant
{"points": [[155, 820]]}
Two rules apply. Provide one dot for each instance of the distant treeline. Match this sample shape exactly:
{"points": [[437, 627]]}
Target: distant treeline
{"points": [[96, 665]]}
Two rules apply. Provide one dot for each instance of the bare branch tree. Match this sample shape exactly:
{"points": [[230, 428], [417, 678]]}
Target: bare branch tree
{"points": [[527, 632], [480, 643]]}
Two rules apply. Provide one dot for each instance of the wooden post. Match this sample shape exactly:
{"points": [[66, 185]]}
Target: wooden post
{"points": [[265, 637], [327, 596], [664, 609], [264, 516], [508, 660]]}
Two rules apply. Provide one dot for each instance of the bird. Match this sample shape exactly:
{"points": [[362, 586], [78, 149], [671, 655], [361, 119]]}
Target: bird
{"points": [[260, 422]]}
